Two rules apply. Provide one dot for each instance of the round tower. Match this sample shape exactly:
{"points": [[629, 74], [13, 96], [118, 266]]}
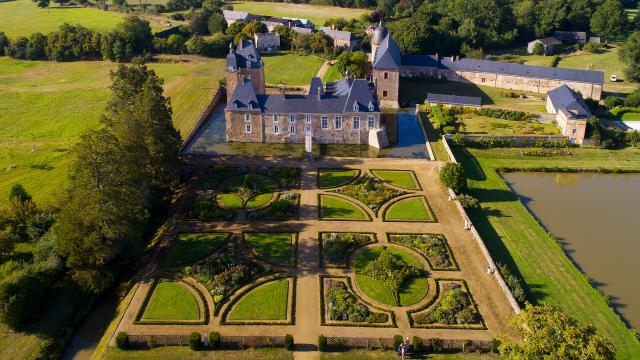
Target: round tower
{"points": [[378, 36]]}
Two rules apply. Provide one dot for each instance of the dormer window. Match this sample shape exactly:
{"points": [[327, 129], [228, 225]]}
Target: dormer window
{"points": [[250, 105], [234, 105], [356, 107], [371, 107]]}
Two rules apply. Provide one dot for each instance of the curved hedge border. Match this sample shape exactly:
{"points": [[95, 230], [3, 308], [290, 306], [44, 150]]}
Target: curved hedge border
{"points": [[352, 324], [189, 218], [356, 177], [278, 195], [451, 256], [351, 251], [426, 205], [345, 198], [239, 296], [481, 326], [413, 175], [205, 308], [233, 291]]}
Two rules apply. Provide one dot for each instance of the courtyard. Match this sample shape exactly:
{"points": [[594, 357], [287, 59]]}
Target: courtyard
{"points": [[296, 251]]}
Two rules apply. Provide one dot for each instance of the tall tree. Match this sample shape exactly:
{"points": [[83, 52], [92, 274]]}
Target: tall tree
{"points": [[630, 54], [609, 20]]}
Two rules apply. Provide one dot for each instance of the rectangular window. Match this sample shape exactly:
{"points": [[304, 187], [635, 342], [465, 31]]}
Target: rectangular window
{"points": [[276, 129], [308, 119], [247, 128], [275, 118], [384, 93], [338, 122], [482, 79], [575, 131], [371, 122], [356, 123], [292, 129], [386, 75], [324, 122], [247, 117], [292, 118]]}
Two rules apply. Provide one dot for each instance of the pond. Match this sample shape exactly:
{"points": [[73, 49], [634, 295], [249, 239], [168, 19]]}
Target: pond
{"points": [[210, 140], [593, 217]]}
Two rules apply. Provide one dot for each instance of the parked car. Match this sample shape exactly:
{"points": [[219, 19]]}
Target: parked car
{"points": [[613, 78]]}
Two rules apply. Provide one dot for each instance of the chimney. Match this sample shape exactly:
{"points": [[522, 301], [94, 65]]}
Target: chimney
{"points": [[283, 93], [333, 27], [319, 93], [457, 57], [453, 58], [437, 57]]}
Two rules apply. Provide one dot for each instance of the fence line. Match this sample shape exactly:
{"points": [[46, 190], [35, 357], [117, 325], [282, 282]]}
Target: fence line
{"points": [[204, 115], [492, 265]]}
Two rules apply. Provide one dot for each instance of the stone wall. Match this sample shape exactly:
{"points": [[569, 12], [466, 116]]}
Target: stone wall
{"points": [[236, 131], [387, 89], [256, 76]]}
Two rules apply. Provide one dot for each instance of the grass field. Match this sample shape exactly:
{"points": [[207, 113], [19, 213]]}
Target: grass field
{"points": [[290, 68], [514, 237], [412, 291], [274, 247], [184, 353], [316, 14], [171, 301], [333, 207], [399, 178], [266, 302], [190, 247], [330, 178], [23, 17], [410, 209], [482, 125], [45, 107]]}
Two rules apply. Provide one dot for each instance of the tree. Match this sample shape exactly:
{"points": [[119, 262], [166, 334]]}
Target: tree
{"points": [[4, 42], [538, 49], [254, 27], [217, 23], [175, 44], [42, 3], [549, 333], [137, 33], [609, 20], [199, 24], [234, 29], [630, 55], [355, 63], [452, 176]]}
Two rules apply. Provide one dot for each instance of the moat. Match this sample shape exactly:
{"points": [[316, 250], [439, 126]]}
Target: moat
{"points": [[593, 217]]}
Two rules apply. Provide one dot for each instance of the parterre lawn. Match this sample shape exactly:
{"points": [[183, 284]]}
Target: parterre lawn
{"points": [[483, 125], [330, 178], [46, 106], [333, 207], [290, 68], [274, 247], [317, 14], [191, 247], [515, 238], [171, 301], [412, 291], [410, 209], [258, 200], [266, 302], [230, 201], [399, 178]]}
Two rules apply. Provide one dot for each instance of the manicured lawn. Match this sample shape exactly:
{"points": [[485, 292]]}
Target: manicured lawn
{"points": [[515, 238], [333, 207], [45, 107], [317, 14], [184, 353], [412, 291], [259, 200], [434, 138], [191, 247], [410, 209], [415, 91], [330, 178], [274, 247], [332, 74], [630, 117], [266, 302], [392, 355], [230, 201], [401, 178], [171, 301], [482, 125], [290, 68]]}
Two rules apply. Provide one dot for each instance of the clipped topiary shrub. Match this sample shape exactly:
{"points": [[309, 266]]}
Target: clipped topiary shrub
{"points": [[417, 345], [195, 343], [436, 345], [452, 176], [288, 342], [397, 340], [322, 343], [215, 340], [122, 340]]}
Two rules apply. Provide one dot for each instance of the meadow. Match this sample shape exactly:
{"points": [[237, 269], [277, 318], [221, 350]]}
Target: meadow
{"points": [[19, 18], [316, 14], [45, 107]]}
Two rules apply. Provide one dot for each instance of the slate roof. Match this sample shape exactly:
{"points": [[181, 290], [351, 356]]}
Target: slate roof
{"points": [[549, 41], [302, 30], [454, 99], [235, 15], [338, 34], [388, 55], [565, 99], [244, 56], [571, 36], [337, 98], [496, 67]]}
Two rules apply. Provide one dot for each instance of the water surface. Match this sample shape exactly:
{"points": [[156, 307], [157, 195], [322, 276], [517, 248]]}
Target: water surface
{"points": [[595, 218]]}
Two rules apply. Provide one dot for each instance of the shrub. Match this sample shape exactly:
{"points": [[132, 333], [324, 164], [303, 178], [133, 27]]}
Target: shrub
{"points": [[467, 201], [195, 343], [458, 139], [448, 129], [495, 345], [591, 47], [288, 342], [122, 340], [322, 343], [513, 283], [417, 344], [612, 101], [397, 341], [452, 176], [215, 340], [436, 345]]}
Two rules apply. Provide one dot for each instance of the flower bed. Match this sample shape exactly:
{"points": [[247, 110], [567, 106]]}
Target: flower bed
{"points": [[343, 306], [453, 307], [433, 247], [284, 207], [370, 191], [336, 247], [286, 177], [205, 207]]}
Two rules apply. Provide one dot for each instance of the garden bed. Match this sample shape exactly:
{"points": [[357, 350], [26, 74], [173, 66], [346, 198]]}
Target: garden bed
{"points": [[433, 247], [275, 248], [268, 302], [336, 208], [204, 207], [284, 207], [332, 178], [410, 209], [246, 192], [369, 191], [337, 247]]}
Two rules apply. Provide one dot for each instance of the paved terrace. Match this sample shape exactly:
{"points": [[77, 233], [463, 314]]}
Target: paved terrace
{"points": [[490, 299]]}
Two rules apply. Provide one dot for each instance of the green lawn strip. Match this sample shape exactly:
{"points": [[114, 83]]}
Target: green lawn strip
{"points": [[433, 135], [330, 178], [630, 116], [393, 355], [266, 302], [290, 68], [274, 247], [333, 207], [190, 247], [332, 74], [259, 200], [515, 238], [230, 201], [412, 290], [409, 209], [171, 301], [184, 353], [483, 125], [400, 178]]}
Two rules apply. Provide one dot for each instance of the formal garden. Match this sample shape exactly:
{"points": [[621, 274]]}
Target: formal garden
{"points": [[453, 307]]}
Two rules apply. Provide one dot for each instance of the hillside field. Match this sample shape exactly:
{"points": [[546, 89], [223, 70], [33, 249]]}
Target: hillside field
{"points": [[45, 107]]}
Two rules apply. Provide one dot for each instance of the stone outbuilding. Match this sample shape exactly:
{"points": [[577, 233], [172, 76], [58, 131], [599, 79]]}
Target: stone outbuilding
{"points": [[571, 37], [232, 16], [267, 42], [572, 113], [548, 44], [342, 39]]}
